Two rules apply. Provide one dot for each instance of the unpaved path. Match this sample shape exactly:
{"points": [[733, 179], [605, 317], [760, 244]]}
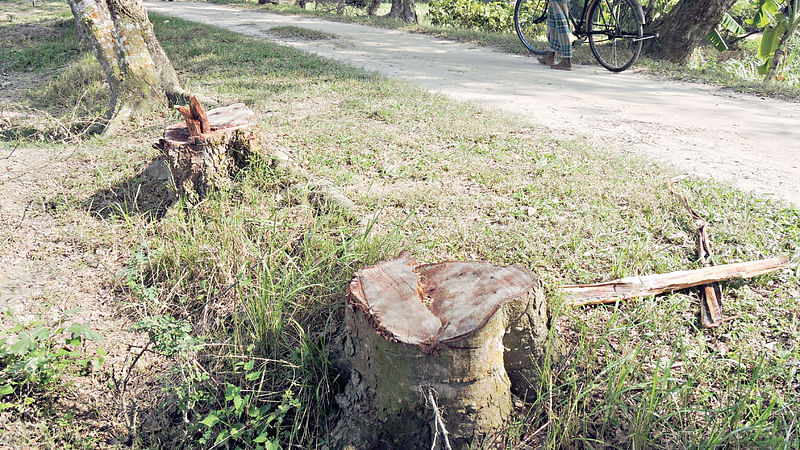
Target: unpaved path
{"points": [[750, 142]]}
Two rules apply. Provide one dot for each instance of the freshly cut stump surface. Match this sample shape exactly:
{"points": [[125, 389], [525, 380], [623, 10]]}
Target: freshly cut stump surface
{"points": [[207, 150], [416, 331]]}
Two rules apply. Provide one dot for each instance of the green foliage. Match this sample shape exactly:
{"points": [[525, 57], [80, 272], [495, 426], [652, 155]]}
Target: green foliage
{"points": [[35, 357], [729, 24], [780, 20], [242, 421], [137, 275], [654, 9], [496, 16], [168, 335]]}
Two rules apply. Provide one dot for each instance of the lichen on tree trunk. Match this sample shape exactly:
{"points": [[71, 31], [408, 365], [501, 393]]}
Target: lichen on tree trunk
{"points": [[138, 71]]}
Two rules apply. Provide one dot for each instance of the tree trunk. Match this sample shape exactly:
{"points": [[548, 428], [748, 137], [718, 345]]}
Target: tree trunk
{"points": [[372, 9], [136, 67], [435, 350], [403, 10], [683, 28], [207, 150]]}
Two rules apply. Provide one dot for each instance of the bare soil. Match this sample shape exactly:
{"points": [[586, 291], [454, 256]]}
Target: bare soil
{"points": [[746, 141], [54, 258]]}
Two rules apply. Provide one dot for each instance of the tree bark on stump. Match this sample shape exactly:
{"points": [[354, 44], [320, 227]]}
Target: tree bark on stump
{"points": [[208, 149], [434, 339]]}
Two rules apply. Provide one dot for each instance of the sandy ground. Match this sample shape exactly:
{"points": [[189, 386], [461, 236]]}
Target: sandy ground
{"points": [[750, 142]]}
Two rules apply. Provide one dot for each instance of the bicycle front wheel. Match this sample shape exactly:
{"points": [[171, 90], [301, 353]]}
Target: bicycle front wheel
{"points": [[615, 35], [530, 17]]}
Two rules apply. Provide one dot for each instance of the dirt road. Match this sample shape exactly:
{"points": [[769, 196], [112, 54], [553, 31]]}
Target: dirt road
{"points": [[752, 143]]}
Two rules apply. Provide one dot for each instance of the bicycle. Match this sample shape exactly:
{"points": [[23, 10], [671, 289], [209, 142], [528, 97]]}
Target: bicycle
{"points": [[612, 27]]}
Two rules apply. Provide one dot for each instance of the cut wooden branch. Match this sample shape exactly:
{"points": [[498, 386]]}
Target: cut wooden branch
{"points": [[710, 294], [208, 149], [444, 328], [649, 285]]}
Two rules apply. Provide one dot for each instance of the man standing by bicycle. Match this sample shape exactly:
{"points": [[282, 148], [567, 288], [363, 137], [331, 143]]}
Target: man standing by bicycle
{"points": [[558, 36]]}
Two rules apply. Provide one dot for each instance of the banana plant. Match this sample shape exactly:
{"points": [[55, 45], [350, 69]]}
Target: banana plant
{"points": [[729, 24], [779, 18]]}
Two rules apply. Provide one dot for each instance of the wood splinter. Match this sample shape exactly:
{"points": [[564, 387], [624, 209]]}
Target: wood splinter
{"points": [[196, 118], [710, 294]]}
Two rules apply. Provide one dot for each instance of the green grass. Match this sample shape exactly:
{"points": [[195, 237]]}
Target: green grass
{"points": [[456, 181], [262, 276], [41, 55], [300, 33], [36, 46]]}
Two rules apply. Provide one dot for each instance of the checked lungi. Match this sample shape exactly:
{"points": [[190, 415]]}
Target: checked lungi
{"points": [[558, 28]]}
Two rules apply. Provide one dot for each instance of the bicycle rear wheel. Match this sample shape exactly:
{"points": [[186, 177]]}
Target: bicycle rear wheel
{"points": [[530, 17], [615, 35]]}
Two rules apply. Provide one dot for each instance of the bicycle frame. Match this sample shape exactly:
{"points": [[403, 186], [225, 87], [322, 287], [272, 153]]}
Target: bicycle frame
{"points": [[581, 26]]}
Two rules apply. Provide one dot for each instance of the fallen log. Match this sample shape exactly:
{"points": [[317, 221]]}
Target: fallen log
{"points": [[208, 149], [649, 285], [435, 350]]}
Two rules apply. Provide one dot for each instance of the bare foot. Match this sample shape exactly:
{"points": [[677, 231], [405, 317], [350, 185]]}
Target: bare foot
{"points": [[564, 64], [548, 60]]}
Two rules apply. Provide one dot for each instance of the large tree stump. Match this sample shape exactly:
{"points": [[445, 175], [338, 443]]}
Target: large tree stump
{"points": [[207, 150], [437, 334]]}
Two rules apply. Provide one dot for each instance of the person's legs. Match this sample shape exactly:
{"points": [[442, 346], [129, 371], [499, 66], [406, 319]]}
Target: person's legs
{"points": [[558, 35]]}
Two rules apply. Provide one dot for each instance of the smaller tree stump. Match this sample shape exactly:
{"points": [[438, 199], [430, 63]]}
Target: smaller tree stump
{"points": [[209, 149], [436, 333]]}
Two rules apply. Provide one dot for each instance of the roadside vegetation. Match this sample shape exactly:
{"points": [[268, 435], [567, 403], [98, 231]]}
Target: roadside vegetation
{"points": [[734, 64], [243, 293]]}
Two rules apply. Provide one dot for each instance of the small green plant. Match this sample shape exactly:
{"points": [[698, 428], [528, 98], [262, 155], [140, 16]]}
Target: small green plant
{"points": [[137, 274], [242, 420], [168, 335], [35, 357], [242, 417]]}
